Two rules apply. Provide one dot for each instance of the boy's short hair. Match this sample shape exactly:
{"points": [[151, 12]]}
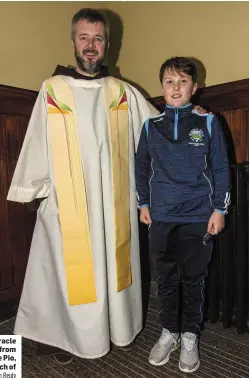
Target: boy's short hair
{"points": [[92, 16], [179, 64]]}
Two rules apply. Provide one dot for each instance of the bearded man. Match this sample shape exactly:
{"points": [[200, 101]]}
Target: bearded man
{"points": [[82, 287]]}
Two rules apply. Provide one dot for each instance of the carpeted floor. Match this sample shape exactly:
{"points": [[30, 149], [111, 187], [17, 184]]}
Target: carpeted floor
{"points": [[224, 353]]}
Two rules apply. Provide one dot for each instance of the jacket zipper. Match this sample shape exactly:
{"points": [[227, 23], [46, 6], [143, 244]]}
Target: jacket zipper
{"points": [[176, 125]]}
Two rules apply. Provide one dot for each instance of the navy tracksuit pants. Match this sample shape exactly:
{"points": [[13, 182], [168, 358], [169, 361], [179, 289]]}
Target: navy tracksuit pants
{"points": [[180, 256]]}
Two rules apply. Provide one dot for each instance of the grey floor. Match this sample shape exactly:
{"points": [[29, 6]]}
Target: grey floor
{"points": [[224, 353]]}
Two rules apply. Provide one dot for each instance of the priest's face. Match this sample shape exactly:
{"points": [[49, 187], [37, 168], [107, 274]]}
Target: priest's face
{"points": [[89, 46]]}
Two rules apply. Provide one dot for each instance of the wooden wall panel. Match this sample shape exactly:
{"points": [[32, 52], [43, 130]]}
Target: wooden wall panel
{"points": [[16, 101], [237, 121], [16, 222]]}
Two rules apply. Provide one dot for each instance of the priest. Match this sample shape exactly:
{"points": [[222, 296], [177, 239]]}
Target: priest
{"points": [[82, 287]]}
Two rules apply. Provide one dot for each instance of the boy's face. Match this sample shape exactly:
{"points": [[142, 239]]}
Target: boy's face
{"points": [[177, 88]]}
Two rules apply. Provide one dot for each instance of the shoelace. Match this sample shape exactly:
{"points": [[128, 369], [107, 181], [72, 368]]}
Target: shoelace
{"points": [[189, 342], [164, 338]]}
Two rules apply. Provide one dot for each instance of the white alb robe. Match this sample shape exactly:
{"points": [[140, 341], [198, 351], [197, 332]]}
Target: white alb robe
{"points": [[44, 314]]}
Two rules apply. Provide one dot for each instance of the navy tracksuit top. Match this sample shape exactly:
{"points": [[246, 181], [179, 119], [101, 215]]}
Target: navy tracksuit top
{"points": [[182, 170]]}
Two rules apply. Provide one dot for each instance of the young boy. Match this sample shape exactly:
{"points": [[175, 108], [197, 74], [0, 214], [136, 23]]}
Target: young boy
{"points": [[183, 183]]}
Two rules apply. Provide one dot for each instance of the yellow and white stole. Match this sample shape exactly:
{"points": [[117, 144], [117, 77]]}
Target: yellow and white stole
{"points": [[71, 189]]}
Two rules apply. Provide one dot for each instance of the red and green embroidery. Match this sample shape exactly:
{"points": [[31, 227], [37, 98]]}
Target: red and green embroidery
{"points": [[55, 105], [121, 102]]}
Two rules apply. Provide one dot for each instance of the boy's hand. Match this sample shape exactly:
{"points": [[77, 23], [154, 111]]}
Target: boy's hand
{"points": [[199, 109], [145, 215], [216, 223]]}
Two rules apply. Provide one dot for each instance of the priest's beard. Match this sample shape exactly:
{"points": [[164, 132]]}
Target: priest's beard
{"points": [[88, 66]]}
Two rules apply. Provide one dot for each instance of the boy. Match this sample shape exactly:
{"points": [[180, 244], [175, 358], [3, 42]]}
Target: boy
{"points": [[183, 182]]}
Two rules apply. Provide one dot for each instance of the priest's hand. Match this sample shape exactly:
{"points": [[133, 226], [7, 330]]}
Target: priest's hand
{"points": [[216, 223], [199, 109], [145, 215]]}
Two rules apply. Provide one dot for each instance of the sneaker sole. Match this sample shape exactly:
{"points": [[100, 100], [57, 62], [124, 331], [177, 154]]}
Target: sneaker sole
{"points": [[166, 359], [189, 371]]}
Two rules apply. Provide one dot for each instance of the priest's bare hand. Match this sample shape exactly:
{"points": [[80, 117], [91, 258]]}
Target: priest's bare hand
{"points": [[199, 109], [216, 223], [145, 215]]}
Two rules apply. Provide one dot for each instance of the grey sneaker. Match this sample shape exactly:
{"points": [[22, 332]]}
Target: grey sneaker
{"points": [[189, 357], [167, 343]]}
